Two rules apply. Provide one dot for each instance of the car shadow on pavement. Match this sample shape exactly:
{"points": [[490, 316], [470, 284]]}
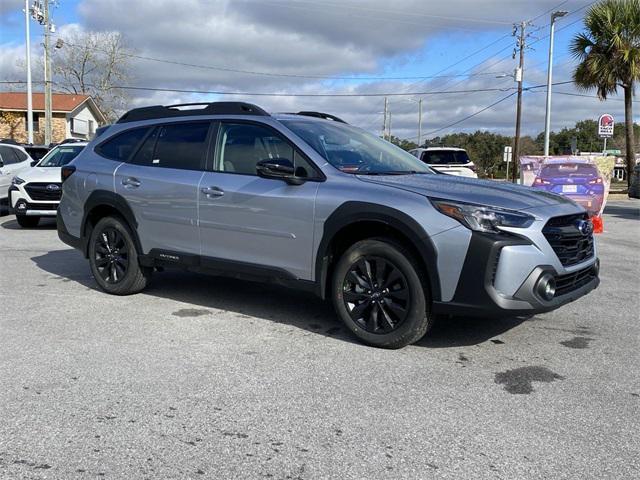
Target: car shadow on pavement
{"points": [[451, 332], [267, 301], [631, 212], [44, 224]]}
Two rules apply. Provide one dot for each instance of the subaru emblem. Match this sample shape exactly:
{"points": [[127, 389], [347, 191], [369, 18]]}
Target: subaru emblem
{"points": [[585, 227], [52, 187]]}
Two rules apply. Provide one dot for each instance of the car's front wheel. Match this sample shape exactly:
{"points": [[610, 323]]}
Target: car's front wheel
{"points": [[378, 293], [27, 221], [114, 258]]}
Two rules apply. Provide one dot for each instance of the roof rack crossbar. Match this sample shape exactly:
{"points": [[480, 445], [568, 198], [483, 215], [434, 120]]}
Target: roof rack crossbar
{"points": [[326, 116], [214, 108]]}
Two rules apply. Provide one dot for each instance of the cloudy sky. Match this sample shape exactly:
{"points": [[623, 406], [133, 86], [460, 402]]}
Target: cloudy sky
{"points": [[436, 51]]}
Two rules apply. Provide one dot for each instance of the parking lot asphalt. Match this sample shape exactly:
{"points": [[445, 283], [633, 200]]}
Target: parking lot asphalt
{"points": [[203, 377]]}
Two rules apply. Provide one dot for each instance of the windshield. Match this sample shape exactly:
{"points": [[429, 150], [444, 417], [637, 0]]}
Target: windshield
{"points": [[445, 157], [353, 150], [60, 156]]}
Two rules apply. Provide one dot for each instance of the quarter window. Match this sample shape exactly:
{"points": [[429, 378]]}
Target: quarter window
{"points": [[242, 146], [121, 146], [8, 156]]}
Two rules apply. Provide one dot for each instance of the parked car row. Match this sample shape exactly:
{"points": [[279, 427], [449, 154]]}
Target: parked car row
{"points": [[35, 192]]}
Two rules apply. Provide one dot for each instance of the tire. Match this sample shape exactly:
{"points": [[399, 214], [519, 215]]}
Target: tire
{"points": [[27, 221], [113, 258], [399, 295]]}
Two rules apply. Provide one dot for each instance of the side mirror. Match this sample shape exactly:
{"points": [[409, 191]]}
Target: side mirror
{"points": [[278, 169]]}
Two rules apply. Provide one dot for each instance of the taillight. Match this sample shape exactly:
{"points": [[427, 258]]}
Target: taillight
{"points": [[472, 167], [595, 181], [67, 171], [541, 181]]}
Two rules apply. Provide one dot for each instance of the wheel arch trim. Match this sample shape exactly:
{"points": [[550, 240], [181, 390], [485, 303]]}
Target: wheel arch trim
{"points": [[105, 198], [353, 212]]}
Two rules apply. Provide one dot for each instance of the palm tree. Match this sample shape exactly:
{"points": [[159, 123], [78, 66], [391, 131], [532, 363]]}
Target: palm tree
{"points": [[609, 55]]}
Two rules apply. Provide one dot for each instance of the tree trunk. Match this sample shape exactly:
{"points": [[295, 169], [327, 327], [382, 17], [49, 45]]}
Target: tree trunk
{"points": [[628, 125]]}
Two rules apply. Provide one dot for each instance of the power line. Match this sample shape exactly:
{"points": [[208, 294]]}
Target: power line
{"points": [[489, 107], [272, 74], [471, 116], [282, 94], [386, 12]]}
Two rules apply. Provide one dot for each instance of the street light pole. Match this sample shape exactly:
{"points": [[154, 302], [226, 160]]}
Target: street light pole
{"points": [[420, 123], [547, 117], [48, 120], [29, 92]]}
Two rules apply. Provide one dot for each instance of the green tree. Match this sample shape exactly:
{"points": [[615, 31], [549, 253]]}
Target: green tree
{"points": [[609, 55]]}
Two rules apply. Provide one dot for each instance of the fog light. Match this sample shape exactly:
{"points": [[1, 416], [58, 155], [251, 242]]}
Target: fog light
{"points": [[21, 205], [546, 287]]}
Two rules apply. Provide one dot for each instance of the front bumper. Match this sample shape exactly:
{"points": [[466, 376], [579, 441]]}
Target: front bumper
{"points": [[20, 204], [486, 286]]}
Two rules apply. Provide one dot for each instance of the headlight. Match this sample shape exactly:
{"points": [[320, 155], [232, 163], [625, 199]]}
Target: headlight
{"points": [[17, 181], [481, 218]]}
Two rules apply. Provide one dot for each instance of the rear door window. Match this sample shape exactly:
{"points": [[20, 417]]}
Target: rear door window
{"points": [[8, 156], [180, 145], [445, 157], [121, 146]]}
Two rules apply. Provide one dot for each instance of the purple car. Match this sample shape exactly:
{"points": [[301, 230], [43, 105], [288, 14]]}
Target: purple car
{"points": [[579, 181]]}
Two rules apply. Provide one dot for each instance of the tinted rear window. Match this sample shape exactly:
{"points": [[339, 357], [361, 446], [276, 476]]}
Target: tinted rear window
{"points": [[445, 157], [122, 146], [181, 145], [569, 169]]}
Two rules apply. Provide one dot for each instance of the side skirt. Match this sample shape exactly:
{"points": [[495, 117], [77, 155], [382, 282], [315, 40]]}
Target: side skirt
{"points": [[226, 268]]}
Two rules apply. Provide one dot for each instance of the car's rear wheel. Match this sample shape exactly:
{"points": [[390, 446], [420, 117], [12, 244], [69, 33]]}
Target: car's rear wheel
{"points": [[27, 221], [379, 294], [114, 258]]}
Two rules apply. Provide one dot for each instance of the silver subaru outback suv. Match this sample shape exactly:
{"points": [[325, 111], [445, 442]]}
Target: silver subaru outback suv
{"points": [[308, 201]]}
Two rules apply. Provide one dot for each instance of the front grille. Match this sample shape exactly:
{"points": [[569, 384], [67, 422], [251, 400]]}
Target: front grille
{"points": [[42, 206], [572, 281], [569, 244], [42, 191]]}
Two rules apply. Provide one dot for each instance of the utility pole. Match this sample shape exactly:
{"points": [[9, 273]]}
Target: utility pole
{"points": [[420, 123], [389, 127], [519, 77], [384, 120], [27, 14], [47, 75], [547, 117]]}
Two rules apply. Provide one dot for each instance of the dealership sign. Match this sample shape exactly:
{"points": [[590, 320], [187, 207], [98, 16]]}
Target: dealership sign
{"points": [[605, 126]]}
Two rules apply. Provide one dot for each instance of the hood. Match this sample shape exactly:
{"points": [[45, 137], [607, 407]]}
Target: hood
{"points": [[41, 174], [471, 190]]}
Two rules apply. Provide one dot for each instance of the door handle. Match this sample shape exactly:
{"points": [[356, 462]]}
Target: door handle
{"points": [[131, 182], [212, 192]]}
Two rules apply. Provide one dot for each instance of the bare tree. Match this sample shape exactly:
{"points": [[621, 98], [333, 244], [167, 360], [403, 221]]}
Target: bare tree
{"points": [[94, 63]]}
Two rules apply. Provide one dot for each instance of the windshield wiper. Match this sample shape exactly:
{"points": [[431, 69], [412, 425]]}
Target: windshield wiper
{"points": [[393, 172]]}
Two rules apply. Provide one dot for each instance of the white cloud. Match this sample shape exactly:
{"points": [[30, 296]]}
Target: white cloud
{"points": [[326, 37]]}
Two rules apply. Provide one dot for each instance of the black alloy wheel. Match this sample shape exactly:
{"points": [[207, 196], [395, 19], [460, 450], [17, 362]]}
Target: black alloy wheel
{"points": [[376, 295], [379, 292], [113, 258], [111, 255]]}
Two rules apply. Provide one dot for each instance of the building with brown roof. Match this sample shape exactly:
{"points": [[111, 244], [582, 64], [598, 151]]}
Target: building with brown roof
{"points": [[74, 116]]}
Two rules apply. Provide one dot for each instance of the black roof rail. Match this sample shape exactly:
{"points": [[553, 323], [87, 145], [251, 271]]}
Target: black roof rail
{"points": [[326, 116], [214, 108]]}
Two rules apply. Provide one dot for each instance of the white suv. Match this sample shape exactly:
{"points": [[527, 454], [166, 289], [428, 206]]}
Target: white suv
{"points": [[449, 160], [36, 192], [13, 160]]}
